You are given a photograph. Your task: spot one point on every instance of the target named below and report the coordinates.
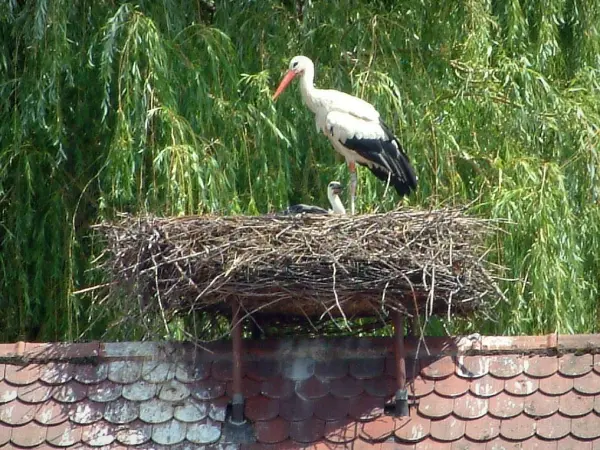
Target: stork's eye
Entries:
(294, 64)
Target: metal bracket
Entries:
(400, 404)
(237, 404)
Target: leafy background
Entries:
(164, 107)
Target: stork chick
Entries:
(333, 194)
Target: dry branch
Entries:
(315, 266)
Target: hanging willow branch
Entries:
(314, 266)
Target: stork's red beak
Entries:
(287, 79)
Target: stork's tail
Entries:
(406, 179)
(402, 175)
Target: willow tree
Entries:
(164, 107)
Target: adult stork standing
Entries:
(333, 195)
(355, 129)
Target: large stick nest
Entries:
(313, 266)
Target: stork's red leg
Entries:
(353, 183)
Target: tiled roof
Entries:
(492, 393)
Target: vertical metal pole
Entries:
(415, 325)
(237, 403)
(401, 408)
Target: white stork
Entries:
(333, 194)
(355, 129)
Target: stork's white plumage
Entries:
(333, 195)
(355, 130)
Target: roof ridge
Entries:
(317, 348)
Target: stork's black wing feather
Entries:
(304, 209)
(389, 160)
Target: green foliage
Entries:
(158, 107)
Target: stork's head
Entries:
(299, 65)
(334, 188)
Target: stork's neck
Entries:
(336, 203)
(308, 90)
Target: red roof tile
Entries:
(421, 386)
(518, 429)
(263, 370)
(346, 387)
(553, 427)
(91, 373)
(87, 412)
(22, 374)
(572, 443)
(272, 431)
(382, 386)
(453, 386)
(8, 392)
(222, 370)
(312, 388)
(5, 434)
(572, 365)
(472, 366)
(331, 369)
(135, 433)
(57, 373)
(439, 368)
(366, 368)
(574, 404)
(52, 413)
(29, 435)
(17, 413)
(277, 387)
(332, 408)
(204, 432)
(139, 391)
(379, 429)
(70, 392)
(483, 429)
(448, 429)
(169, 433)
(365, 407)
(586, 427)
(105, 391)
(505, 406)
(412, 429)
(556, 385)
(299, 369)
(341, 431)
(200, 370)
(296, 408)
(521, 385)
(436, 406)
(488, 386)
(36, 392)
(250, 387)
(506, 366)
(541, 405)
(207, 389)
(484, 394)
(307, 430)
(470, 406)
(65, 434)
(540, 365)
(261, 408)
(587, 384)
